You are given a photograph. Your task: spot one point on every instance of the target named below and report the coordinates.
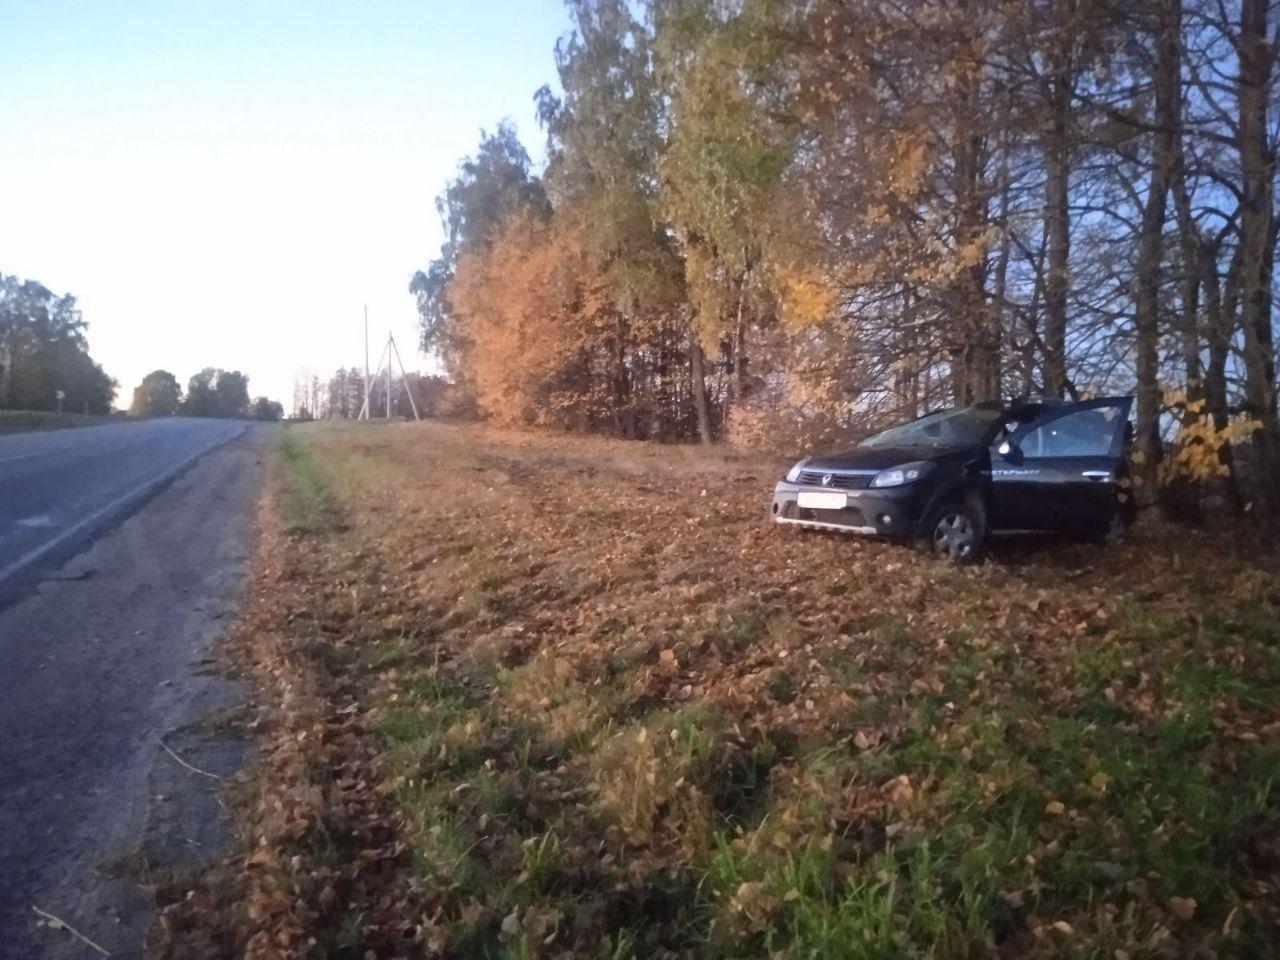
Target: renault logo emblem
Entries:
(826, 479)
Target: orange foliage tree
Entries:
(534, 313)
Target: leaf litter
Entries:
(531, 695)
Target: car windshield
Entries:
(946, 428)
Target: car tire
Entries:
(955, 530)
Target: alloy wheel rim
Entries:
(954, 536)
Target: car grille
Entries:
(848, 517)
(839, 481)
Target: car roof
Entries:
(1033, 406)
(1025, 406)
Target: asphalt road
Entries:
(59, 487)
(134, 542)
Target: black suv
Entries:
(952, 477)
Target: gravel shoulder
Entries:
(110, 675)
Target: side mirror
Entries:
(1010, 451)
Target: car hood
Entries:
(878, 458)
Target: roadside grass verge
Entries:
(604, 714)
(307, 504)
(318, 859)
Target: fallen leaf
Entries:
(510, 925)
(1184, 908)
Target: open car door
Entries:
(1061, 471)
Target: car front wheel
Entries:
(955, 530)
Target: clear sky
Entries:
(227, 182)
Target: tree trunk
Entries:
(1257, 166)
(700, 406)
(624, 414)
(1166, 81)
(1030, 314)
(1219, 317)
(975, 347)
(908, 365)
(1191, 245)
(1219, 314)
(740, 348)
(999, 292)
(1183, 500)
(1057, 165)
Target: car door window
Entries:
(1085, 433)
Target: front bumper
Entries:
(886, 512)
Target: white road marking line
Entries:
(41, 521)
(37, 453)
(139, 491)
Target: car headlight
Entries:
(897, 476)
(794, 473)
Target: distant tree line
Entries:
(341, 396)
(44, 353)
(210, 393)
(792, 222)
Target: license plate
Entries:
(822, 500)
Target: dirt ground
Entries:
(551, 696)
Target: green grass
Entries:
(310, 506)
(1148, 813)
(1143, 819)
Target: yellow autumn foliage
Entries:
(1198, 448)
(909, 167)
(807, 296)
